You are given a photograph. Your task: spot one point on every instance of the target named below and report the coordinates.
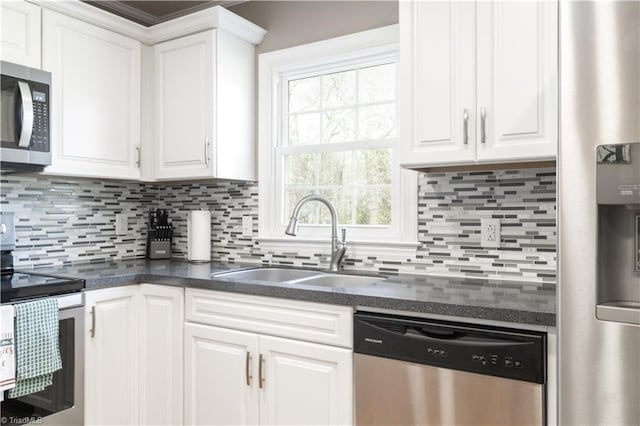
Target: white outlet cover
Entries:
(122, 224)
(247, 226)
(490, 233)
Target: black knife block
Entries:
(159, 241)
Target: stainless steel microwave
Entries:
(25, 105)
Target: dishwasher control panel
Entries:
(501, 352)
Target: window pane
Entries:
(373, 206)
(377, 122)
(339, 126)
(373, 166)
(339, 89)
(339, 108)
(301, 170)
(304, 129)
(377, 84)
(335, 168)
(304, 94)
(308, 213)
(342, 201)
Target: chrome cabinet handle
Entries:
(247, 368)
(261, 379)
(27, 115)
(93, 321)
(483, 126)
(137, 156)
(465, 127)
(206, 151)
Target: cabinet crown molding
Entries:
(216, 17)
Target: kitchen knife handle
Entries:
(247, 368)
(93, 321)
(261, 379)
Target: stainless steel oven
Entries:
(25, 105)
(62, 403)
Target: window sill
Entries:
(387, 250)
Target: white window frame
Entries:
(275, 68)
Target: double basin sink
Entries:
(299, 276)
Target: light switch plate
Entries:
(247, 226)
(490, 232)
(122, 224)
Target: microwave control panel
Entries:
(40, 135)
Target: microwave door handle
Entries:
(27, 115)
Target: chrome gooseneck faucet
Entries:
(338, 248)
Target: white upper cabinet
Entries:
(438, 53)
(204, 114)
(184, 91)
(478, 82)
(20, 36)
(95, 119)
(517, 80)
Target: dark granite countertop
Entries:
(507, 301)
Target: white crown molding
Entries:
(212, 18)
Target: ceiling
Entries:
(150, 13)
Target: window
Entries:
(329, 126)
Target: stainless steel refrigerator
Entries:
(599, 214)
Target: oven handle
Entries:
(27, 115)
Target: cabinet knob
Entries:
(206, 151)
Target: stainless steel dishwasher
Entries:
(411, 371)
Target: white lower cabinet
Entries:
(245, 377)
(133, 355)
(305, 383)
(161, 356)
(111, 357)
(220, 376)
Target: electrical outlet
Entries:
(247, 226)
(490, 232)
(122, 224)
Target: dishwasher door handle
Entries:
(458, 338)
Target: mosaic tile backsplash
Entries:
(63, 220)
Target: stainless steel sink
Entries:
(295, 277)
(338, 280)
(277, 275)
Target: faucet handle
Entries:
(344, 235)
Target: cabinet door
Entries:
(111, 357)
(184, 94)
(517, 80)
(95, 108)
(437, 83)
(220, 376)
(161, 340)
(305, 383)
(20, 42)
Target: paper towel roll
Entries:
(199, 236)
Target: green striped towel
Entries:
(37, 351)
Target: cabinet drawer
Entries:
(313, 322)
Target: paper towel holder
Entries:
(199, 226)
